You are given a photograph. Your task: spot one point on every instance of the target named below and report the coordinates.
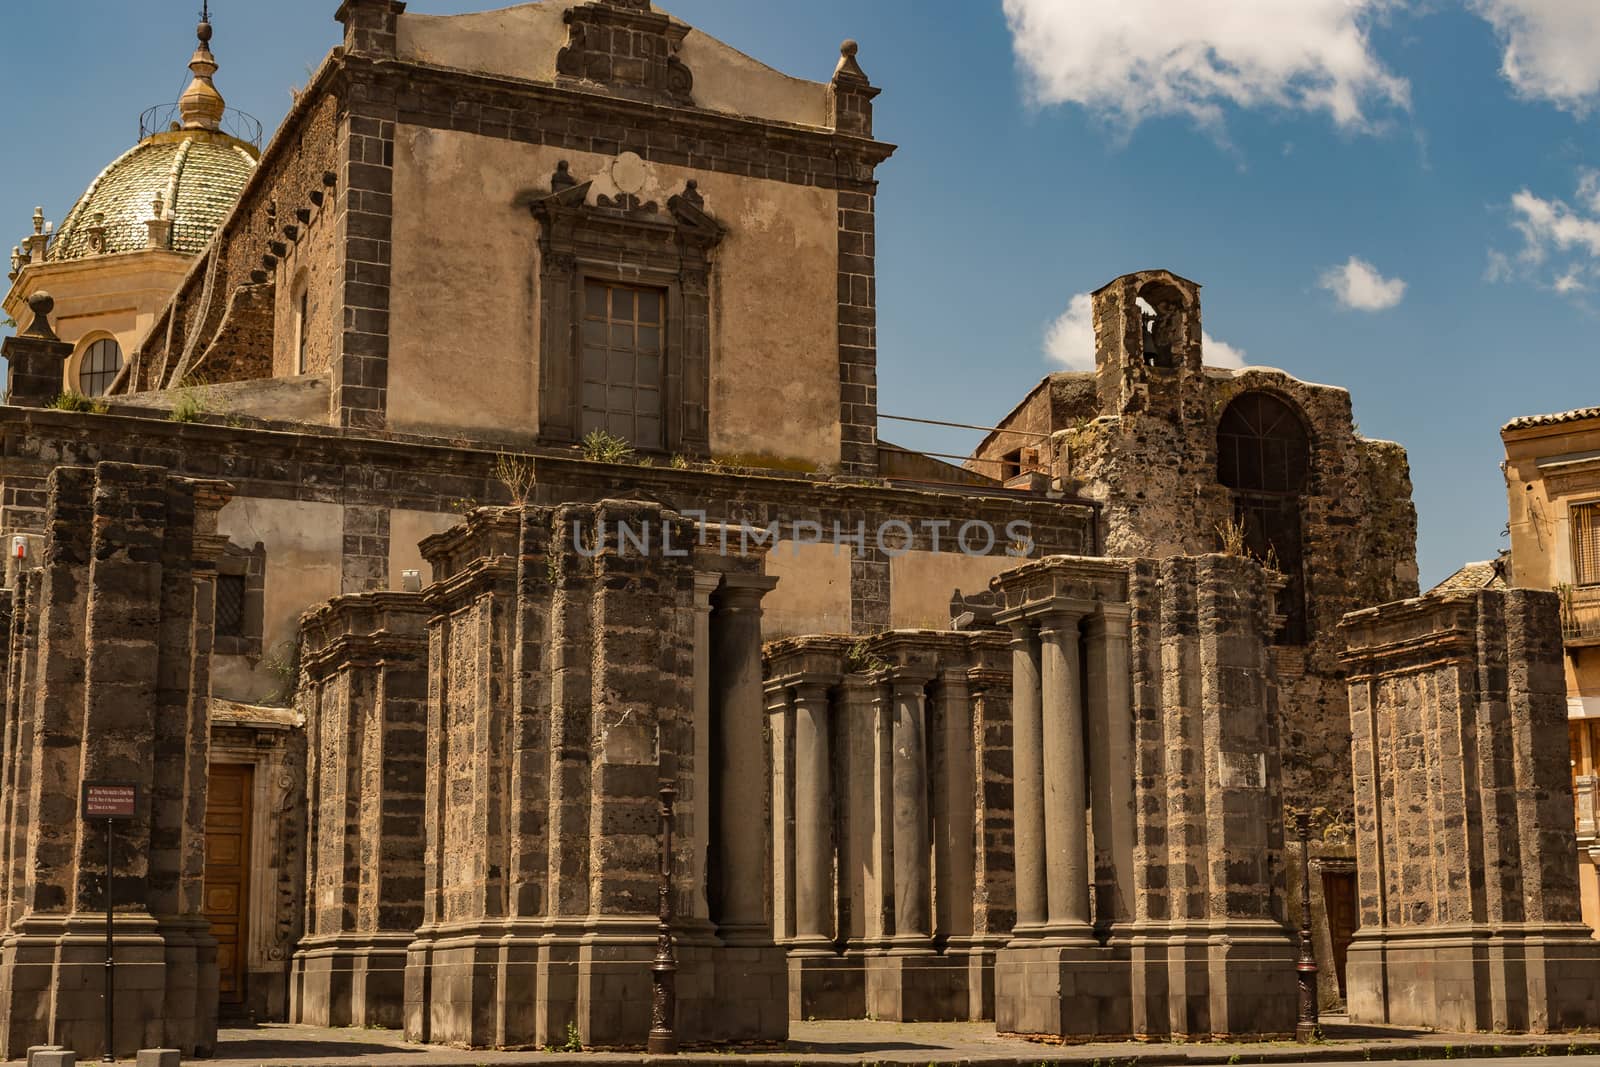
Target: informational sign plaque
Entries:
(110, 800)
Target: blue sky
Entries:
(1047, 146)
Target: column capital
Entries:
(811, 689)
(704, 585)
(902, 676)
(743, 592)
(1112, 620)
(1022, 631)
(1059, 616)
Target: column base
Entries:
(525, 985)
(1063, 991)
(350, 980)
(52, 985)
(1156, 981)
(1207, 980)
(1532, 979)
(926, 988)
(827, 987)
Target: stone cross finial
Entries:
(41, 304)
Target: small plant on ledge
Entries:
(600, 446)
(73, 401)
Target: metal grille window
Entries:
(622, 362)
(230, 605)
(1586, 543)
(101, 362)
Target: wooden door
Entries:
(1339, 893)
(227, 886)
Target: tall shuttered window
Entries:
(622, 373)
(1586, 543)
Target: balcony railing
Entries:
(1580, 611)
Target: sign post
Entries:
(111, 802)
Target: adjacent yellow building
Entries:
(1552, 471)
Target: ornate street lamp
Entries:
(1305, 1030)
(663, 972)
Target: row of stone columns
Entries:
(1073, 730)
(878, 842)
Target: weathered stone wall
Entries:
(1464, 818)
(885, 752)
(116, 647)
(285, 478)
(363, 695)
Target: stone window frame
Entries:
(251, 564)
(623, 241)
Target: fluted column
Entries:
(813, 823)
(1027, 748)
(1110, 705)
(913, 925)
(1065, 794)
(737, 707)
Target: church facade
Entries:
(507, 452)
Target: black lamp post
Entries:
(1305, 1030)
(663, 1038)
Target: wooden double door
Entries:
(227, 877)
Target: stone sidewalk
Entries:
(898, 1043)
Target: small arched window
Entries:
(1264, 456)
(302, 325)
(1262, 446)
(99, 366)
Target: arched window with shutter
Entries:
(1264, 457)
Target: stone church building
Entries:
(464, 481)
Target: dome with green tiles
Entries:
(189, 175)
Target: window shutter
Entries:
(1586, 543)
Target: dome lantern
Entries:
(201, 105)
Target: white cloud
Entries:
(1136, 59)
(1560, 241)
(1070, 340)
(1358, 285)
(1552, 48)
(1550, 225)
(1570, 282)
